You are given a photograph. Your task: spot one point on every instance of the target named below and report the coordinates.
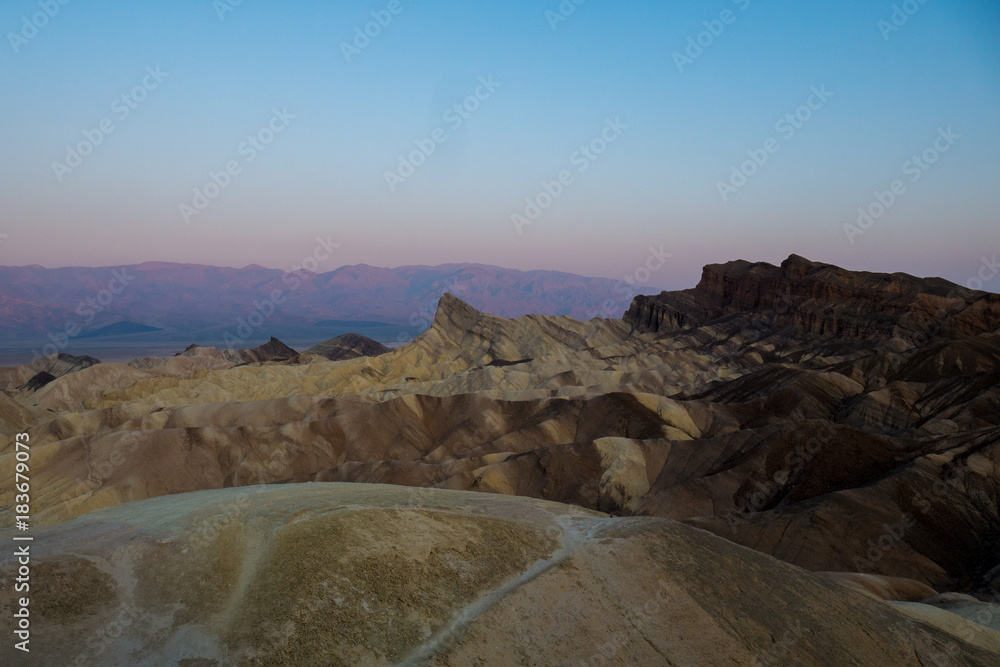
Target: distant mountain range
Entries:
(176, 301)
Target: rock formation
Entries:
(348, 346)
(54, 366)
(844, 423)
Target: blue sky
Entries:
(555, 87)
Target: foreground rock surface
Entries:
(347, 574)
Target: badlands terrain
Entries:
(790, 464)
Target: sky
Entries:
(527, 134)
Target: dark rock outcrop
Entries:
(273, 350)
(37, 381)
(348, 346)
(55, 365)
(822, 300)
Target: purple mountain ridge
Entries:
(35, 301)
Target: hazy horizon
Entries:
(651, 284)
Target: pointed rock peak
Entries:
(273, 348)
(449, 302)
(453, 313)
(348, 346)
(797, 259)
(796, 266)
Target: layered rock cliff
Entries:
(822, 300)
